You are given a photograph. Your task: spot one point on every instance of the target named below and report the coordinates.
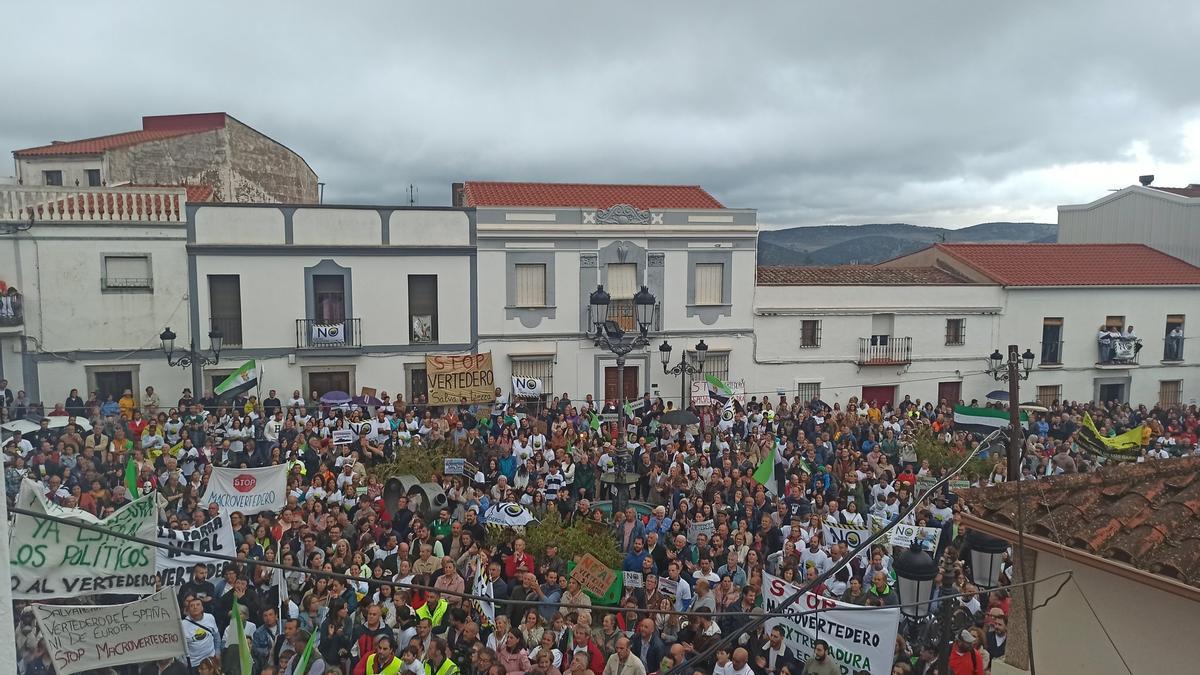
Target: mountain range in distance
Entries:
(876, 242)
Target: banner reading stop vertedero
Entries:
(248, 490)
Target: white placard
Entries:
(526, 387)
(328, 334)
(83, 637)
(55, 560)
(632, 579)
(215, 536)
(247, 490)
(344, 436)
(705, 527)
(857, 640)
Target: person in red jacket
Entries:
(965, 658)
(583, 643)
(519, 562)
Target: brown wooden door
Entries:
(950, 392)
(631, 383)
(324, 383)
(882, 396)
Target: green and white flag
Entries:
(240, 381)
(984, 420)
(765, 473)
(717, 385)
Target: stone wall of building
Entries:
(263, 170)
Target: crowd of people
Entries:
(397, 603)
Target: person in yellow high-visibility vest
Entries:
(434, 609)
(437, 659)
(384, 661)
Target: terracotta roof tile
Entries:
(1192, 190)
(1075, 264)
(866, 275)
(153, 129)
(587, 195)
(1146, 515)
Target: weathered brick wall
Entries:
(198, 159)
(241, 165)
(263, 170)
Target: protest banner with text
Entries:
(83, 637)
(215, 536)
(454, 379)
(56, 560)
(857, 640)
(247, 490)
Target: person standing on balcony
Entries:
(1104, 339)
(1175, 344)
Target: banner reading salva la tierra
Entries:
(454, 379)
(215, 536)
(56, 560)
(83, 637)
(857, 640)
(247, 490)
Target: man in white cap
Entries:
(965, 658)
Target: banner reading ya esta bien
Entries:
(454, 379)
(857, 640)
(56, 560)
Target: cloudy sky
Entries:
(937, 113)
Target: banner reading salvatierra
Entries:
(247, 490)
(215, 536)
(857, 640)
(55, 560)
(454, 379)
(82, 637)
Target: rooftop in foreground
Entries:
(587, 195)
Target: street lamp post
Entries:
(191, 357)
(608, 334)
(1016, 369)
(683, 367)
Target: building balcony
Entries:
(12, 313)
(312, 334)
(624, 312)
(884, 350)
(1118, 354)
(1173, 350)
(21, 204)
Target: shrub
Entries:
(418, 459)
(942, 455)
(572, 541)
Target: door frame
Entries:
(1126, 382)
(606, 359)
(132, 368)
(305, 371)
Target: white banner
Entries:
(53, 560)
(247, 490)
(215, 536)
(527, 387)
(851, 535)
(328, 334)
(903, 534)
(632, 579)
(700, 395)
(344, 436)
(83, 637)
(695, 529)
(857, 640)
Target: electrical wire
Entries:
(1096, 616)
(833, 569)
(463, 595)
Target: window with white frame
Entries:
(126, 272)
(810, 333)
(710, 283)
(541, 368)
(531, 285)
(806, 391)
(1048, 394)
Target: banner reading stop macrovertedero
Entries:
(83, 637)
(248, 490)
(50, 559)
(858, 640)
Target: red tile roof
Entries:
(1145, 515)
(587, 195)
(153, 128)
(1074, 264)
(1192, 190)
(865, 275)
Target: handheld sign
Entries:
(593, 575)
(453, 466)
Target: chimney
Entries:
(1146, 180)
(457, 198)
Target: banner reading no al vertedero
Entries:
(857, 640)
(83, 637)
(247, 490)
(57, 560)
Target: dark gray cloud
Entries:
(813, 112)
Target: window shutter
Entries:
(531, 285)
(542, 369)
(622, 280)
(710, 281)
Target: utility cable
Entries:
(757, 623)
